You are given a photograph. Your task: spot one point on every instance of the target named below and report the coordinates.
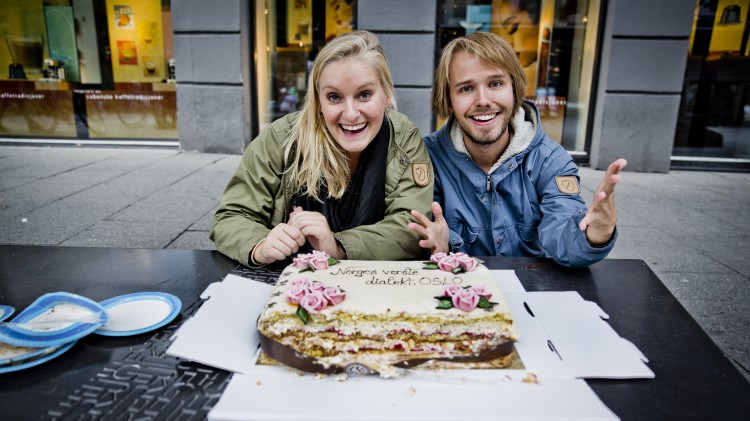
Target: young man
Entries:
(502, 186)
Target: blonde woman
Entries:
(339, 176)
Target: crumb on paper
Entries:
(531, 377)
(295, 371)
(319, 376)
(507, 378)
(341, 377)
(258, 382)
(411, 391)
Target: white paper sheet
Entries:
(507, 280)
(274, 393)
(222, 333)
(568, 337)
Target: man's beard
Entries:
(484, 139)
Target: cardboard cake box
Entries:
(563, 339)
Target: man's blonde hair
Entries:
(317, 160)
(491, 50)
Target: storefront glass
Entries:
(714, 117)
(288, 36)
(555, 40)
(87, 69)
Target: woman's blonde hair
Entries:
(317, 160)
(491, 50)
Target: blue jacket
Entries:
(518, 209)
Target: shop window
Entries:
(714, 115)
(555, 41)
(88, 69)
(289, 34)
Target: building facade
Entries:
(663, 84)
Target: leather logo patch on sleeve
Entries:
(567, 184)
(421, 173)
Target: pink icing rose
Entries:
(317, 259)
(317, 286)
(451, 290)
(467, 262)
(296, 293)
(319, 262)
(301, 260)
(466, 300)
(481, 291)
(448, 263)
(299, 281)
(437, 257)
(313, 301)
(334, 295)
(319, 254)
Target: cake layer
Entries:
(350, 324)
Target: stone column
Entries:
(642, 65)
(212, 72)
(407, 31)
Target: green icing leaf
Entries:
(458, 270)
(486, 304)
(332, 261)
(444, 303)
(430, 265)
(303, 314)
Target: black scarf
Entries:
(363, 202)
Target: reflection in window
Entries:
(731, 15)
(552, 43)
(714, 113)
(87, 69)
(289, 34)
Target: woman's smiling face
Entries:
(353, 104)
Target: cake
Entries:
(358, 317)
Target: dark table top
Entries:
(132, 378)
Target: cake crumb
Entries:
(319, 376)
(531, 377)
(258, 382)
(342, 377)
(411, 391)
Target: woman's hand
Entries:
(315, 229)
(435, 235)
(283, 241)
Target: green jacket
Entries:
(259, 196)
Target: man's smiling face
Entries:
(481, 99)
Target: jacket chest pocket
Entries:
(468, 233)
(527, 232)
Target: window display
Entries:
(289, 34)
(714, 116)
(87, 69)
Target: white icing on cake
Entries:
(377, 287)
